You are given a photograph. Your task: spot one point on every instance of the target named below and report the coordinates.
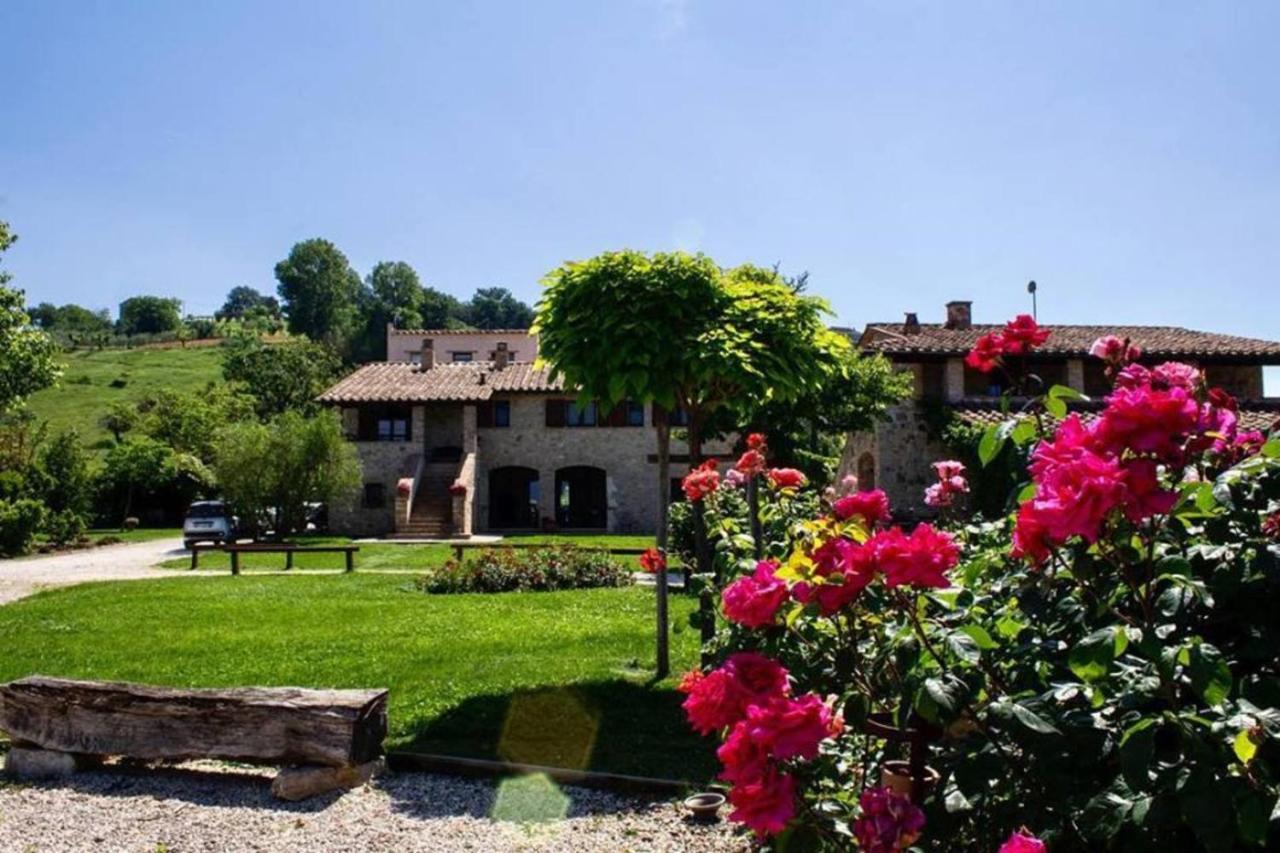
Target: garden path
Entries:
(29, 575)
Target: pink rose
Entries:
(753, 601)
(1023, 842)
(787, 478)
(873, 506)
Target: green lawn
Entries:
(557, 678)
(84, 392)
(141, 534)
(391, 555)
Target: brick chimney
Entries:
(959, 314)
(501, 356)
(428, 354)
(911, 326)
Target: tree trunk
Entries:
(702, 547)
(128, 502)
(664, 501)
(753, 507)
(286, 725)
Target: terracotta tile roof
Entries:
(400, 382)
(434, 332)
(1156, 341)
(1259, 415)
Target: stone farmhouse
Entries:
(460, 433)
(896, 456)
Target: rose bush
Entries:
(1097, 671)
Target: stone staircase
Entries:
(432, 513)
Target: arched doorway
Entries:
(866, 472)
(513, 497)
(582, 497)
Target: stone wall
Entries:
(903, 455)
(522, 345)
(622, 452)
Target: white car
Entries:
(208, 521)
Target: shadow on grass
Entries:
(616, 726)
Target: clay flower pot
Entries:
(896, 776)
(705, 806)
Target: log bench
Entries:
(324, 739)
(349, 551)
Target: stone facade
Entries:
(626, 455)
(406, 344)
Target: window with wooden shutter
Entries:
(555, 412)
(484, 414)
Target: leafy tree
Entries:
(440, 310)
(70, 318)
(68, 482)
(318, 289)
(243, 302)
(119, 418)
(138, 465)
(496, 308)
(273, 470)
(675, 329)
(149, 315)
(809, 432)
(282, 377)
(26, 354)
(190, 422)
(392, 294)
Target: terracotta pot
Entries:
(705, 806)
(896, 776)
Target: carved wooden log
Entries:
(275, 725)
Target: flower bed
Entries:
(1097, 671)
(522, 570)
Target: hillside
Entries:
(86, 388)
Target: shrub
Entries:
(20, 520)
(63, 528)
(1100, 667)
(536, 569)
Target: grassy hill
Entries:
(93, 380)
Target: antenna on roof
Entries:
(1031, 288)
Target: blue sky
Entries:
(1126, 156)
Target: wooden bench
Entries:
(282, 548)
(326, 739)
(460, 547)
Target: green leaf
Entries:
(1210, 675)
(991, 444)
(1253, 813)
(1136, 750)
(1271, 449)
(1090, 659)
(1032, 720)
(1024, 432)
(964, 647)
(940, 698)
(1055, 406)
(979, 636)
(1066, 392)
(1244, 747)
(1026, 493)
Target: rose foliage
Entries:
(1098, 671)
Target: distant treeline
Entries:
(319, 295)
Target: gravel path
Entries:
(194, 809)
(20, 578)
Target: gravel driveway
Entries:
(20, 578)
(192, 809)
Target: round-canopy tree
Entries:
(677, 330)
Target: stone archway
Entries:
(866, 471)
